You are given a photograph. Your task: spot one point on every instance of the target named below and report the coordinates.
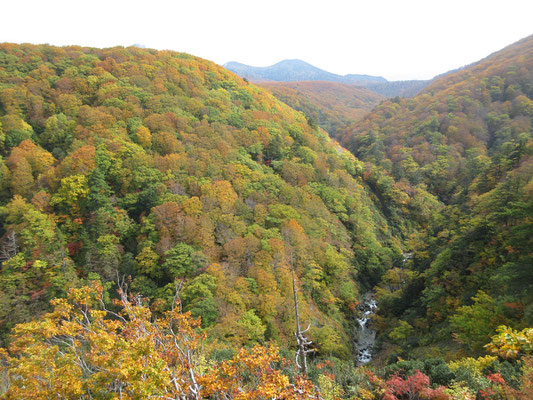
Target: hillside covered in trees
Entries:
(332, 106)
(162, 166)
(160, 216)
(467, 139)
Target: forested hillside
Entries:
(161, 166)
(467, 139)
(330, 105)
(163, 222)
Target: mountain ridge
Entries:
(292, 70)
(295, 70)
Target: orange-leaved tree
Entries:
(251, 375)
(84, 349)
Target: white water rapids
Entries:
(365, 335)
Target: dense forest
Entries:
(467, 139)
(162, 166)
(332, 106)
(167, 227)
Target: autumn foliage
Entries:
(82, 349)
(160, 166)
(416, 386)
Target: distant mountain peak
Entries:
(295, 70)
(290, 62)
(294, 61)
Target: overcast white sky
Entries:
(398, 39)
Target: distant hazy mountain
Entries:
(298, 70)
(398, 88)
(357, 79)
(294, 71)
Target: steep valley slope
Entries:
(331, 105)
(167, 169)
(467, 140)
(162, 167)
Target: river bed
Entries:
(365, 335)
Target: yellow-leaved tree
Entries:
(85, 350)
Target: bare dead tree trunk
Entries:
(8, 246)
(187, 353)
(166, 336)
(301, 341)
